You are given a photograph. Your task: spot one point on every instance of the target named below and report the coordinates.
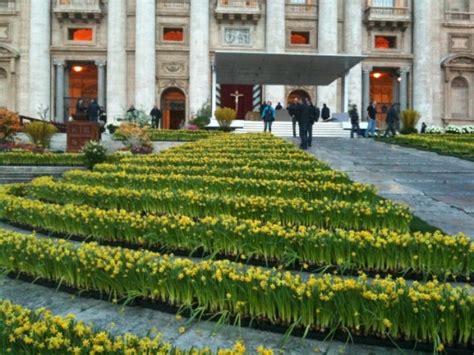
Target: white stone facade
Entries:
(142, 49)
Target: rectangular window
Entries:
(80, 34)
(299, 37)
(173, 34)
(385, 42)
(382, 3)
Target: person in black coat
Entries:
(392, 117)
(354, 115)
(294, 111)
(155, 114)
(325, 113)
(93, 111)
(313, 117)
(303, 123)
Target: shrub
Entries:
(136, 139)
(225, 116)
(94, 153)
(409, 120)
(139, 118)
(9, 125)
(203, 116)
(40, 133)
(112, 128)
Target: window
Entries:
(458, 5)
(4, 89)
(385, 42)
(383, 3)
(299, 37)
(173, 34)
(80, 34)
(298, 2)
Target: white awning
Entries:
(281, 69)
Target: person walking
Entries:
(155, 114)
(268, 116)
(392, 116)
(294, 111)
(93, 111)
(371, 119)
(354, 115)
(278, 107)
(313, 117)
(303, 123)
(325, 113)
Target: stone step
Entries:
(12, 174)
(285, 129)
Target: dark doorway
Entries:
(82, 79)
(173, 107)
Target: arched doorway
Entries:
(173, 107)
(301, 94)
(3, 88)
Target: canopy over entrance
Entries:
(282, 69)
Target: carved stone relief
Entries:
(460, 42)
(237, 37)
(165, 84)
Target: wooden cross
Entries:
(237, 95)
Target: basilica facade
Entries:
(417, 53)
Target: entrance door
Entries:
(297, 94)
(82, 84)
(382, 90)
(173, 107)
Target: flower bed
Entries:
(38, 331)
(382, 251)
(52, 159)
(325, 212)
(175, 135)
(431, 311)
(461, 146)
(226, 185)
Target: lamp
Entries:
(377, 75)
(77, 68)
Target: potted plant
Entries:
(225, 116)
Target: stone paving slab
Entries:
(438, 189)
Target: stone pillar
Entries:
(275, 43)
(353, 45)
(422, 60)
(39, 67)
(145, 54)
(327, 44)
(116, 60)
(404, 88)
(100, 82)
(199, 62)
(365, 89)
(59, 109)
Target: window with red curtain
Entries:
(299, 37)
(173, 34)
(80, 34)
(385, 42)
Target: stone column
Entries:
(404, 88)
(327, 44)
(275, 43)
(59, 109)
(116, 60)
(353, 45)
(39, 62)
(365, 89)
(100, 82)
(145, 54)
(422, 60)
(199, 62)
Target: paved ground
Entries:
(439, 189)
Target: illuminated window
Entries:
(298, 37)
(385, 42)
(80, 34)
(173, 34)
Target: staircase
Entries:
(285, 128)
(13, 174)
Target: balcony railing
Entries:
(78, 9)
(173, 6)
(382, 16)
(459, 16)
(243, 10)
(307, 10)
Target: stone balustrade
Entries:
(78, 9)
(309, 10)
(243, 10)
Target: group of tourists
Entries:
(392, 120)
(303, 112)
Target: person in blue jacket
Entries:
(268, 116)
